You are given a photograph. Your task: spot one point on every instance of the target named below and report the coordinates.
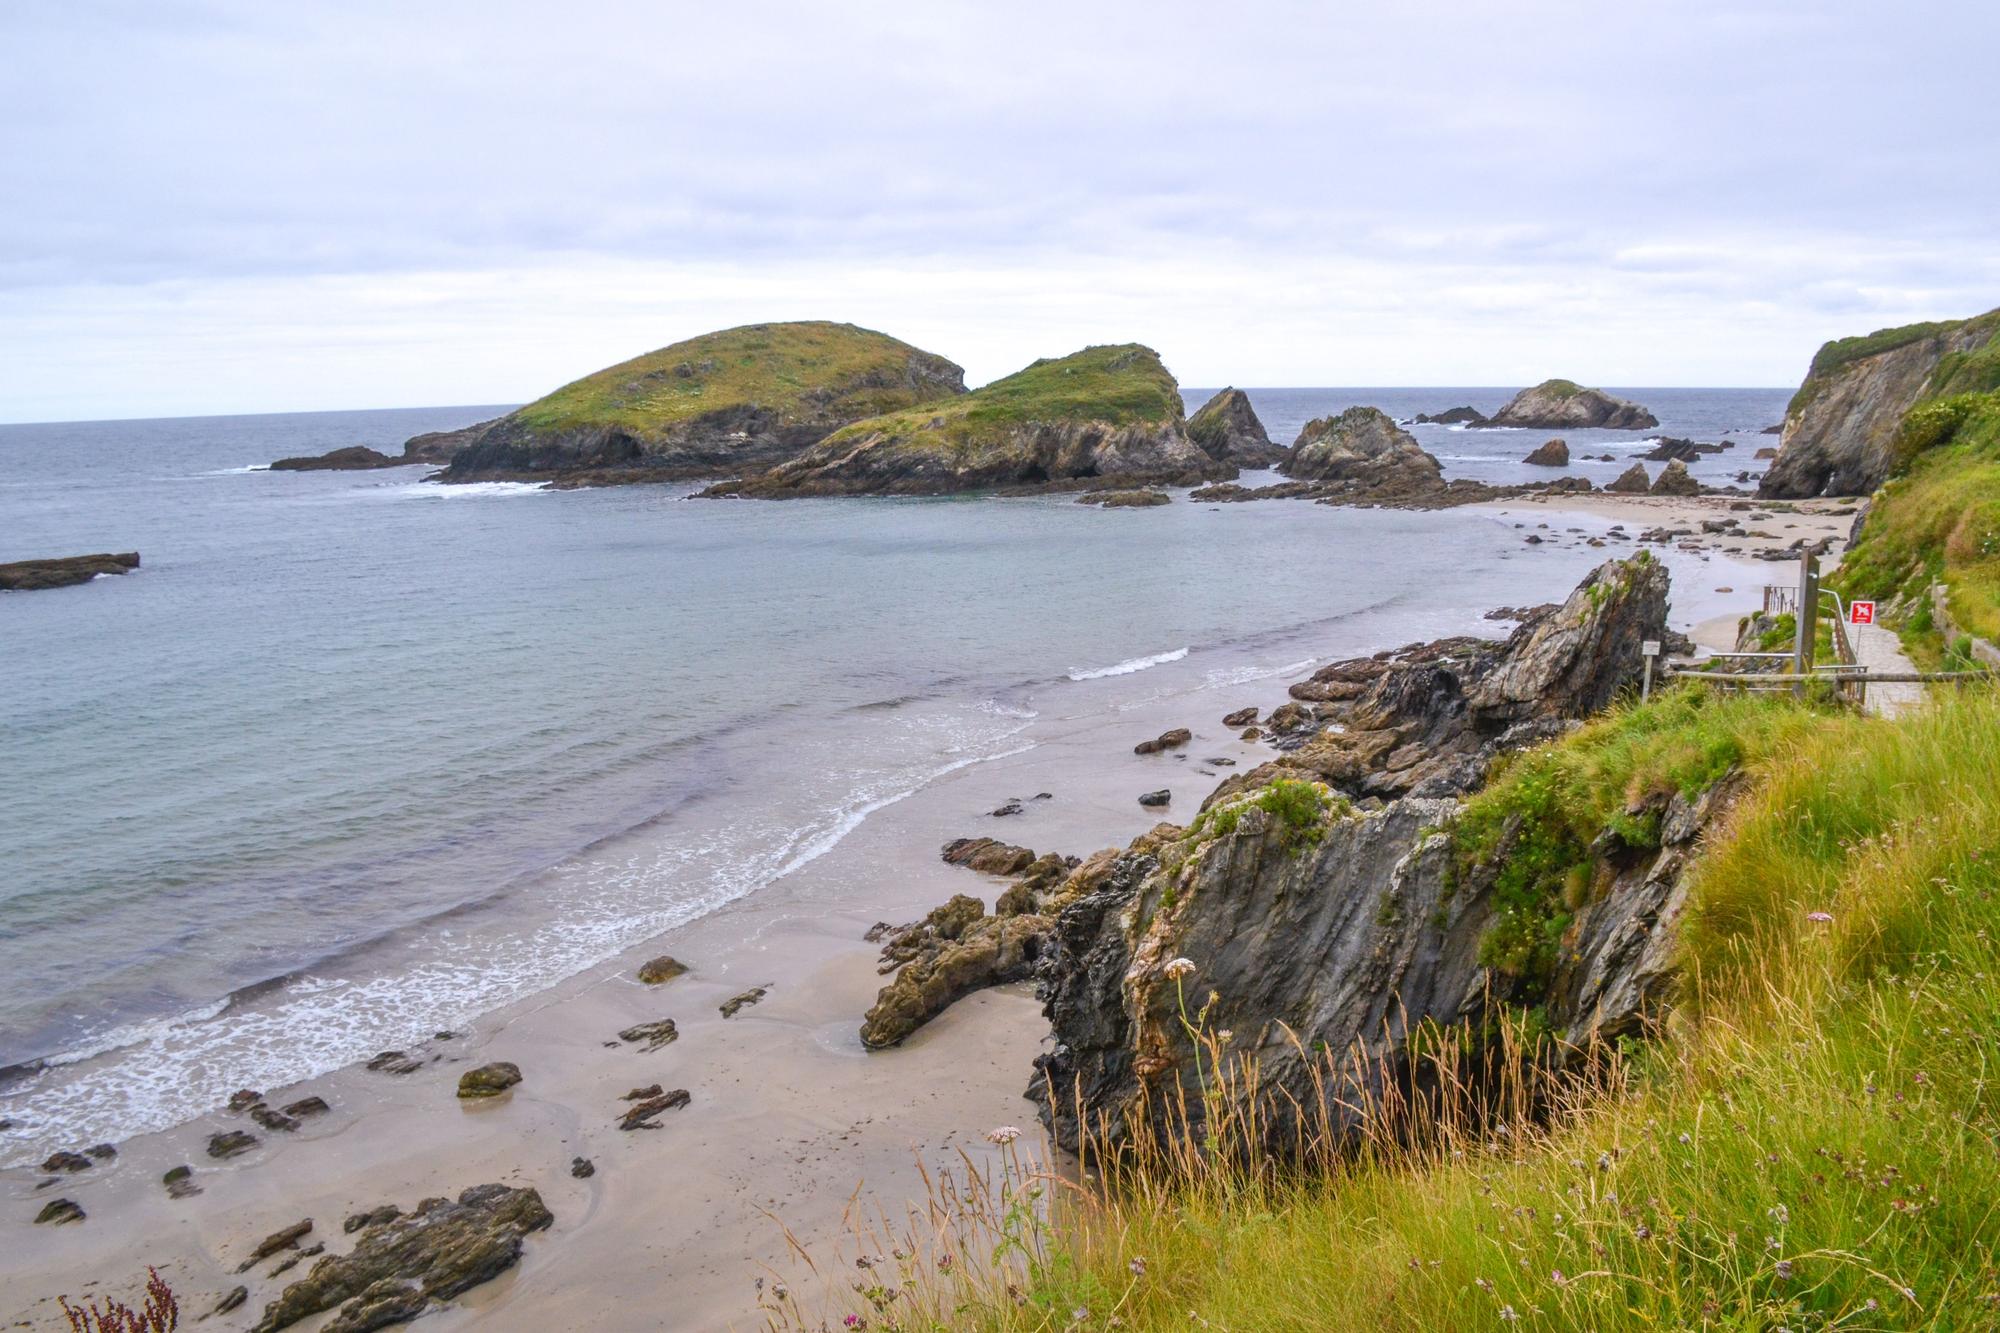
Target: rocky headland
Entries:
(1566, 405)
(1227, 429)
(725, 403)
(1103, 418)
(1841, 428)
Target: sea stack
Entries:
(1364, 450)
(1228, 431)
(1555, 453)
(723, 404)
(1566, 405)
(1103, 418)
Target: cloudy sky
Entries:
(237, 207)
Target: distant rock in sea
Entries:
(1554, 453)
(1566, 405)
(1453, 416)
(354, 458)
(1363, 450)
(1228, 431)
(63, 571)
(723, 404)
(1101, 418)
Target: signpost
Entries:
(1648, 649)
(1808, 616)
(1861, 613)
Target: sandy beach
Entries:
(790, 1119)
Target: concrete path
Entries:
(1878, 649)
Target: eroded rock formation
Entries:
(1566, 405)
(1227, 429)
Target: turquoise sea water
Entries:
(354, 757)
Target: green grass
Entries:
(1957, 373)
(791, 369)
(1560, 389)
(1300, 808)
(1118, 385)
(1938, 520)
(1811, 1145)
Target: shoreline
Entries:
(789, 1118)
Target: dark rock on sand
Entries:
(395, 1062)
(489, 1080)
(1674, 479)
(275, 1121)
(179, 1181)
(1156, 798)
(1565, 405)
(400, 1267)
(1227, 429)
(1125, 499)
(58, 1211)
(292, 1260)
(1632, 481)
(1006, 808)
(582, 1168)
(306, 1106)
(662, 969)
(987, 856)
(1242, 717)
(245, 1098)
(737, 1003)
(654, 1035)
(1553, 453)
(641, 1094)
(67, 1161)
(354, 458)
(235, 1298)
(286, 1238)
(230, 1142)
(63, 571)
(387, 1212)
(1166, 740)
(642, 1115)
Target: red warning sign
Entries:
(1861, 613)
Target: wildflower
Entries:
(1079, 1314)
(1178, 968)
(1003, 1133)
(1784, 1270)
(854, 1321)
(1781, 1215)
(1556, 1276)
(1686, 1137)
(1138, 1266)
(1507, 1315)
(1821, 917)
(1483, 1283)
(1643, 1232)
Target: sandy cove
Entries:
(789, 1117)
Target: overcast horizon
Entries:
(227, 208)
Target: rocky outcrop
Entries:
(1453, 416)
(1227, 429)
(1099, 419)
(404, 1265)
(1565, 405)
(354, 458)
(989, 856)
(63, 571)
(1125, 499)
(987, 951)
(1687, 451)
(1429, 719)
(1554, 453)
(1316, 939)
(1362, 452)
(723, 404)
(1840, 429)
(438, 446)
(1675, 479)
(1632, 481)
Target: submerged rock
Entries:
(489, 1080)
(67, 1161)
(1166, 740)
(395, 1062)
(63, 571)
(1125, 499)
(230, 1142)
(179, 1181)
(1227, 429)
(401, 1266)
(1566, 405)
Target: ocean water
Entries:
(354, 757)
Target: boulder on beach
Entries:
(1166, 740)
(653, 1035)
(665, 968)
(642, 1113)
(1242, 717)
(1553, 453)
(736, 1004)
(1156, 798)
(1675, 479)
(1566, 405)
(1364, 451)
(401, 1267)
(1632, 481)
(1227, 429)
(489, 1080)
(64, 571)
(723, 404)
(989, 856)
(58, 1211)
(230, 1142)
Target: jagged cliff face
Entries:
(1564, 405)
(1104, 416)
(1325, 944)
(1227, 429)
(724, 403)
(1365, 450)
(1841, 426)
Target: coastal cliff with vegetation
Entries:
(1101, 417)
(1843, 428)
(738, 400)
